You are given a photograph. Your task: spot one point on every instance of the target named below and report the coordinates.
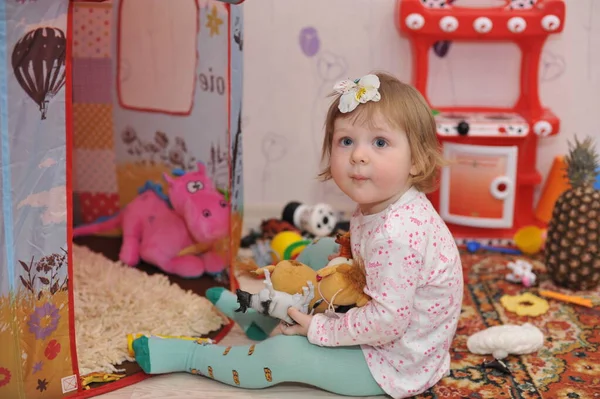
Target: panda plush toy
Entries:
(318, 220)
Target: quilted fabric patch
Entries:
(91, 30)
(95, 171)
(93, 126)
(92, 80)
(94, 205)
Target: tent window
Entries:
(157, 55)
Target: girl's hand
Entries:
(301, 328)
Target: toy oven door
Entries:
(478, 186)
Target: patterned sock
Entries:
(256, 326)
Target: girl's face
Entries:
(371, 165)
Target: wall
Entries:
(297, 50)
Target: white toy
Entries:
(508, 339)
(274, 303)
(521, 273)
(318, 220)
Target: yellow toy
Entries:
(335, 285)
(288, 244)
(88, 379)
(530, 239)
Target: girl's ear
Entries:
(413, 170)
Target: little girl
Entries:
(381, 150)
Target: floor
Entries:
(183, 385)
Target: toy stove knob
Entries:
(462, 128)
(415, 21)
(483, 25)
(550, 23)
(542, 128)
(516, 24)
(448, 23)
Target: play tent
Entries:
(96, 99)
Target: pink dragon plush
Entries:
(156, 229)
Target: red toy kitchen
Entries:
(487, 190)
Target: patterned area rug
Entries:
(568, 366)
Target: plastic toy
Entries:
(156, 228)
(99, 377)
(288, 244)
(487, 190)
(567, 298)
(271, 302)
(522, 272)
(318, 220)
(530, 239)
(556, 183)
(474, 246)
(526, 304)
(507, 339)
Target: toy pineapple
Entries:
(573, 239)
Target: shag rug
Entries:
(113, 300)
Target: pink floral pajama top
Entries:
(414, 277)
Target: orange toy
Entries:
(556, 184)
(487, 190)
(345, 248)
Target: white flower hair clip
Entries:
(357, 91)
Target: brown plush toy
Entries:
(338, 285)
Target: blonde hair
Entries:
(406, 109)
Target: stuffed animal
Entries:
(156, 228)
(319, 253)
(318, 220)
(336, 285)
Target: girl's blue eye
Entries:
(346, 141)
(380, 143)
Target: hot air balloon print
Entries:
(38, 61)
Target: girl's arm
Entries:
(393, 271)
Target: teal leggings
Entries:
(341, 370)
